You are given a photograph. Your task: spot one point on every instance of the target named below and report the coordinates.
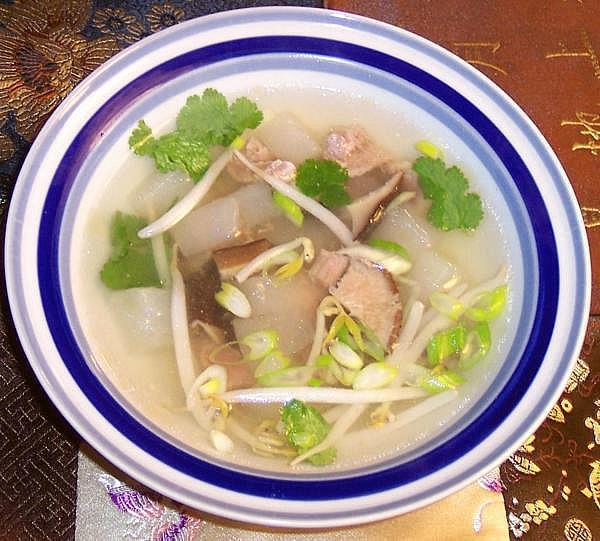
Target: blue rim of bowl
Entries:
(468, 438)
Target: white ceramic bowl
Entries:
(67, 168)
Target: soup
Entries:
(294, 291)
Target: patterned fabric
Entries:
(112, 506)
(553, 480)
(551, 485)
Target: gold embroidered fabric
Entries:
(545, 54)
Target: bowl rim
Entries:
(224, 18)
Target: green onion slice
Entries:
(323, 361)
(232, 299)
(447, 304)
(261, 343)
(443, 381)
(273, 362)
(429, 149)
(374, 376)
(443, 344)
(477, 345)
(290, 269)
(390, 246)
(345, 355)
(488, 305)
(294, 376)
(291, 209)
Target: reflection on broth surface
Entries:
(296, 280)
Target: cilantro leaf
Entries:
(324, 180)
(171, 151)
(141, 140)
(203, 122)
(451, 208)
(305, 427)
(131, 263)
(211, 120)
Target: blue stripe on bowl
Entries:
(49, 268)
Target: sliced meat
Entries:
(352, 148)
(283, 170)
(328, 268)
(257, 153)
(370, 294)
(232, 259)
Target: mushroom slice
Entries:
(201, 285)
(367, 209)
(232, 259)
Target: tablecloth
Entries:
(546, 56)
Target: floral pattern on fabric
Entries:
(149, 518)
(553, 479)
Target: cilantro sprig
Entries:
(131, 263)
(452, 207)
(305, 427)
(324, 180)
(203, 122)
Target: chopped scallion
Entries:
(390, 246)
(291, 209)
(477, 345)
(447, 304)
(290, 269)
(443, 344)
(294, 376)
(345, 355)
(323, 361)
(271, 363)
(438, 382)
(429, 149)
(488, 305)
(232, 299)
(374, 376)
(261, 343)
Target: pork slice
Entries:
(281, 169)
(257, 153)
(328, 268)
(370, 294)
(352, 148)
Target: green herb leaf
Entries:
(203, 122)
(452, 208)
(171, 151)
(131, 263)
(211, 120)
(305, 427)
(324, 180)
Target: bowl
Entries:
(80, 146)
